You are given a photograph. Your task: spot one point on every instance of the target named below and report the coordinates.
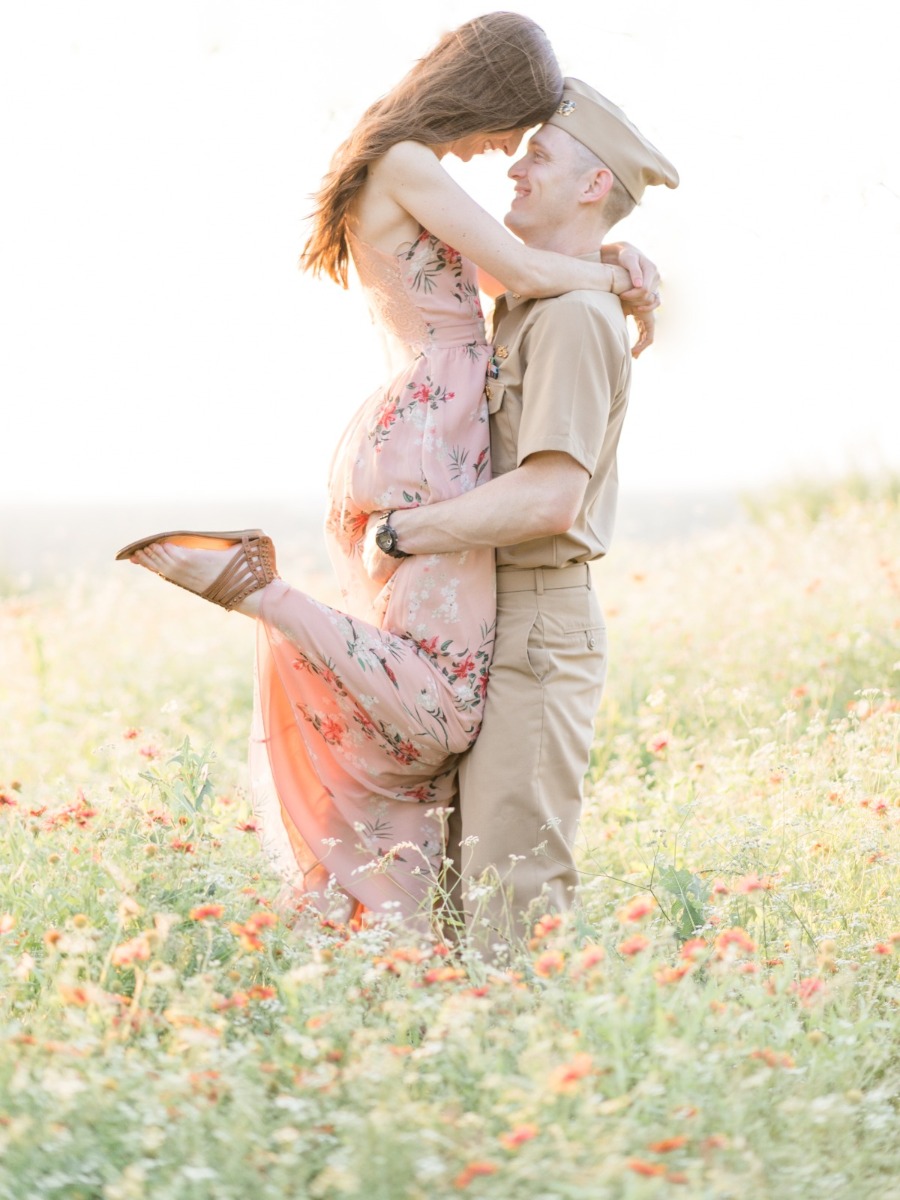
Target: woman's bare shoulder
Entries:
(406, 157)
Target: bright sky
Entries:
(157, 339)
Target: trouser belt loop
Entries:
(539, 580)
(590, 578)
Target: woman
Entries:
(360, 714)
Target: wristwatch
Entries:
(386, 538)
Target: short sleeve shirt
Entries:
(559, 380)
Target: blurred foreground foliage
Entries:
(717, 1019)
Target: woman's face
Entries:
(466, 148)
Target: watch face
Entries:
(384, 539)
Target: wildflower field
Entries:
(719, 1019)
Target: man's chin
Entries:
(514, 223)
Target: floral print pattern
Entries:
(361, 713)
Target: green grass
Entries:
(733, 1034)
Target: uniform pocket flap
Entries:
(494, 393)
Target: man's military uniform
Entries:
(562, 370)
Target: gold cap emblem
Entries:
(566, 108)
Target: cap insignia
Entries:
(566, 108)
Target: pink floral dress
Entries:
(360, 714)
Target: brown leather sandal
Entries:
(251, 567)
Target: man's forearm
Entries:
(538, 499)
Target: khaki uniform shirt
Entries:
(562, 370)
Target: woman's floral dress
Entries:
(360, 714)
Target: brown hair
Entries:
(495, 73)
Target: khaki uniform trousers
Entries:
(521, 783)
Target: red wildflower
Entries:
(247, 826)
(753, 883)
(551, 962)
(636, 909)
(261, 991)
(204, 911)
(640, 1166)
(668, 1144)
(130, 734)
(808, 989)
(517, 1136)
(136, 949)
(472, 1171)
(735, 937)
(773, 1058)
(692, 947)
(658, 744)
(443, 975)
(672, 974)
(566, 1077)
(633, 945)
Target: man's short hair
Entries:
(617, 203)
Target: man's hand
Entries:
(379, 566)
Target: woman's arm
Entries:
(413, 177)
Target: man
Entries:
(557, 398)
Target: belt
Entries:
(540, 579)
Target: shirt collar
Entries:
(512, 300)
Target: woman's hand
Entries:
(641, 298)
(642, 271)
(379, 566)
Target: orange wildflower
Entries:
(719, 887)
(773, 1058)
(472, 1171)
(566, 1078)
(590, 956)
(633, 945)
(668, 1144)
(7, 922)
(735, 937)
(260, 992)
(671, 974)
(753, 883)
(544, 925)
(883, 948)
(73, 995)
(640, 1166)
(443, 974)
(261, 920)
(249, 938)
(808, 989)
(204, 911)
(551, 962)
(636, 909)
(136, 949)
(517, 1136)
(691, 948)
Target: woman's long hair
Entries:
(490, 75)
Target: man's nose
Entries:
(517, 169)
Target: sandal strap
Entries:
(251, 567)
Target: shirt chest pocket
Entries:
(504, 430)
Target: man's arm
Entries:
(540, 498)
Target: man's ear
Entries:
(597, 185)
